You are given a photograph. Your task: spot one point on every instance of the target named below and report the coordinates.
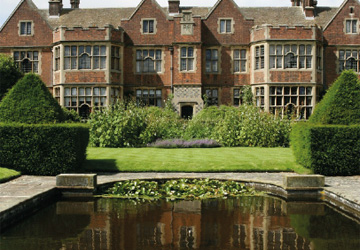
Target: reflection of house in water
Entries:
(246, 223)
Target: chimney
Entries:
(174, 6)
(75, 4)
(309, 8)
(296, 2)
(55, 7)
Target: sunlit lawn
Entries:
(191, 160)
(6, 174)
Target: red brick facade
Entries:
(150, 52)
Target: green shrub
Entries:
(248, 126)
(29, 101)
(203, 124)
(43, 149)
(341, 104)
(71, 115)
(9, 74)
(119, 125)
(328, 150)
(161, 124)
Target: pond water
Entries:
(241, 223)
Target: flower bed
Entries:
(179, 143)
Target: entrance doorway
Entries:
(84, 111)
(187, 112)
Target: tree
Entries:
(9, 74)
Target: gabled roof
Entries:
(154, 2)
(337, 13)
(216, 5)
(31, 4)
(12, 13)
(88, 17)
(290, 16)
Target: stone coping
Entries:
(26, 194)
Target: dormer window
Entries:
(148, 26)
(26, 28)
(351, 26)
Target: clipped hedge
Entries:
(43, 149)
(29, 101)
(341, 104)
(327, 149)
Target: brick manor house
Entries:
(88, 58)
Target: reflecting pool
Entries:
(241, 223)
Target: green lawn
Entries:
(6, 174)
(191, 160)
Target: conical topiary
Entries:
(29, 101)
(341, 104)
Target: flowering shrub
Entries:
(179, 143)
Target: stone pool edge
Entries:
(39, 193)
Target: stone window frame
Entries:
(211, 60)
(187, 58)
(300, 96)
(115, 55)
(240, 59)
(73, 57)
(28, 54)
(57, 58)
(32, 30)
(350, 53)
(142, 22)
(280, 58)
(142, 94)
(161, 61)
(260, 97)
(212, 98)
(351, 28)
(93, 96)
(226, 20)
(237, 96)
(259, 55)
(319, 62)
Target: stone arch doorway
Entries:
(84, 111)
(187, 111)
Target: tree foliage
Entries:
(9, 74)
